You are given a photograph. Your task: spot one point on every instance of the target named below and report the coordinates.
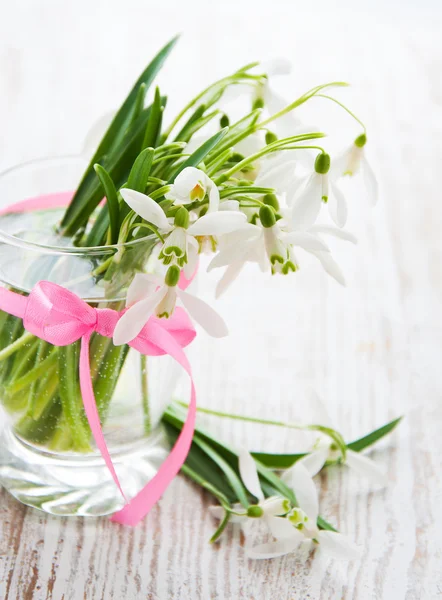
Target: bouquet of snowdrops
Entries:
(244, 190)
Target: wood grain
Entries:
(372, 350)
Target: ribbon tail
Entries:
(90, 408)
(146, 498)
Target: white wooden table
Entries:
(372, 350)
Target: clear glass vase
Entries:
(47, 455)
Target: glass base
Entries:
(76, 485)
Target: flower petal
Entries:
(192, 259)
(96, 133)
(277, 66)
(275, 506)
(218, 223)
(306, 240)
(280, 527)
(305, 491)
(275, 549)
(142, 286)
(307, 203)
(146, 208)
(135, 318)
(314, 461)
(203, 314)
(249, 474)
(229, 276)
(229, 205)
(370, 181)
(187, 180)
(337, 206)
(330, 266)
(366, 467)
(338, 545)
(335, 232)
(213, 196)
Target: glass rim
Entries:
(13, 240)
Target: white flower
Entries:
(275, 245)
(181, 239)
(300, 525)
(353, 161)
(193, 184)
(148, 295)
(266, 509)
(318, 187)
(324, 450)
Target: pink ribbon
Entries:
(60, 317)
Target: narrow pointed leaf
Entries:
(374, 436)
(112, 201)
(140, 172)
(114, 136)
(200, 154)
(153, 128)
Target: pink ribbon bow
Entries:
(60, 317)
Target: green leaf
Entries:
(233, 479)
(112, 201)
(118, 165)
(97, 234)
(200, 154)
(114, 136)
(197, 114)
(139, 102)
(374, 436)
(140, 172)
(153, 129)
(270, 482)
(277, 461)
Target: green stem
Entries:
(145, 393)
(22, 341)
(344, 107)
(70, 396)
(225, 415)
(34, 374)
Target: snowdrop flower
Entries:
(148, 295)
(265, 244)
(266, 509)
(181, 244)
(264, 94)
(353, 161)
(309, 240)
(319, 187)
(324, 450)
(275, 244)
(193, 184)
(300, 526)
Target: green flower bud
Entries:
(203, 210)
(236, 157)
(224, 121)
(271, 200)
(258, 103)
(255, 511)
(361, 140)
(322, 163)
(172, 276)
(267, 216)
(182, 218)
(165, 204)
(271, 137)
